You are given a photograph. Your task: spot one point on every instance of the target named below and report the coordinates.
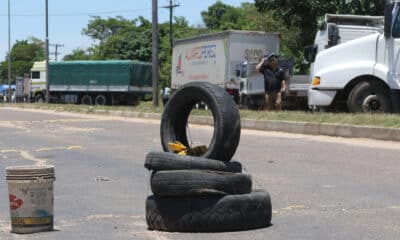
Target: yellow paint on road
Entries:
(294, 207)
(45, 149)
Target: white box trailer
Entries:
(216, 58)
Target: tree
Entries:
(78, 54)
(222, 16)
(305, 15)
(23, 54)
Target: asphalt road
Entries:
(321, 187)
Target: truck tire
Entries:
(209, 213)
(158, 161)
(198, 183)
(39, 98)
(100, 100)
(369, 97)
(225, 113)
(86, 100)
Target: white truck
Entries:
(362, 73)
(217, 58)
(336, 29)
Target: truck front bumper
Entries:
(320, 97)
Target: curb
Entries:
(333, 130)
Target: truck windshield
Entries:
(396, 27)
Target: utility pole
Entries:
(9, 52)
(47, 53)
(155, 66)
(56, 53)
(171, 7)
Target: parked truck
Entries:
(336, 29)
(92, 82)
(362, 73)
(218, 58)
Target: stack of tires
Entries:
(208, 193)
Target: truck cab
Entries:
(362, 73)
(38, 81)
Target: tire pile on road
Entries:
(202, 194)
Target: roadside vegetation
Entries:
(378, 120)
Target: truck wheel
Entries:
(158, 161)
(209, 213)
(39, 98)
(87, 100)
(226, 116)
(369, 97)
(100, 100)
(199, 183)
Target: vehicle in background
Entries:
(335, 30)
(362, 73)
(4, 92)
(218, 58)
(92, 82)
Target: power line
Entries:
(171, 7)
(75, 14)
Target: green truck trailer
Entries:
(92, 82)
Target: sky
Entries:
(68, 18)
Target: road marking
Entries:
(44, 149)
(395, 207)
(38, 161)
(26, 155)
(293, 207)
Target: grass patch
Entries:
(379, 120)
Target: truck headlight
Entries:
(316, 81)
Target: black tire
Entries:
(369, 97)
(86, 100)
(225, 112)
(100, 100)
(209, 213)
(170, 161)
(199, 183)
(39, 98)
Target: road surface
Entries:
(321, 187)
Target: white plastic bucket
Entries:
(31, 198)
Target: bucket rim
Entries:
(30, 167)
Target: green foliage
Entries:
(222, 16)
(119, 38)
(23, 54)
(78, 54)
(305, 15)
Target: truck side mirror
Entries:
(333, 35)
(388, 19)
(310, 52)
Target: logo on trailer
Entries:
(15, 202)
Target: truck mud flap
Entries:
(395, 97)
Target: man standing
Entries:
(274, 81)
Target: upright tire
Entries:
(199, 183)
(86, 100)
(157, 161)
(100, 100)
(225, 113)
(209, 213)
(369, 97)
